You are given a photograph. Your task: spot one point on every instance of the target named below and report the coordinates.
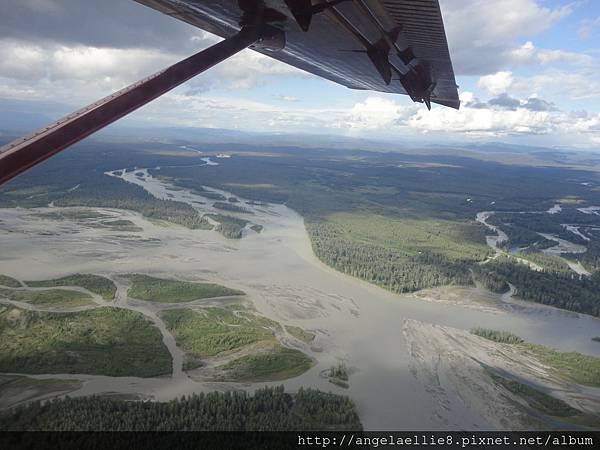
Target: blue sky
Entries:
(527, 70)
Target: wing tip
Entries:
(453, 103)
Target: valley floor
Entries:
(412, 363)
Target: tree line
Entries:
(387, 267)
(269, 409)
(566, 290)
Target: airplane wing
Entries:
(395, 46)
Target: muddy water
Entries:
(493, 241)
(563, 246)
(575, 230)
(590, 210)
(354, 321)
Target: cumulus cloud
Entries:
(552, 83)
(76, 73)
(538, 104)
(496, 83)
(481, 38)
(500, 117)
(559, 83)
(49, 47)
(487, 122)
(504, 101)
(57, 50)
(111, 25)
(509, 117)
(528, 54)
(59, 38)
(482, 34)
(375, 113)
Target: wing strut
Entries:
(26, 152)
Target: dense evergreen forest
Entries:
(565, 290)
(523, 229)
(520, 237)
(489, 279)
(269, 409)
(385, 266)
(551, 263)
(556, 284)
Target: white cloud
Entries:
(84, 72)
(486, 121)
(248, 69)
(90, 63)
(467, 98)
(482, 34)
(528, 54)
(497, 83)
(481, 121)
(381, 116)
(487, 41)
(588, 28)
(560, 56)
(375, 113)
(79, 73)
(554, 84)
(8, 91)
(561, 84)
(236, 113)
(21, 61)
